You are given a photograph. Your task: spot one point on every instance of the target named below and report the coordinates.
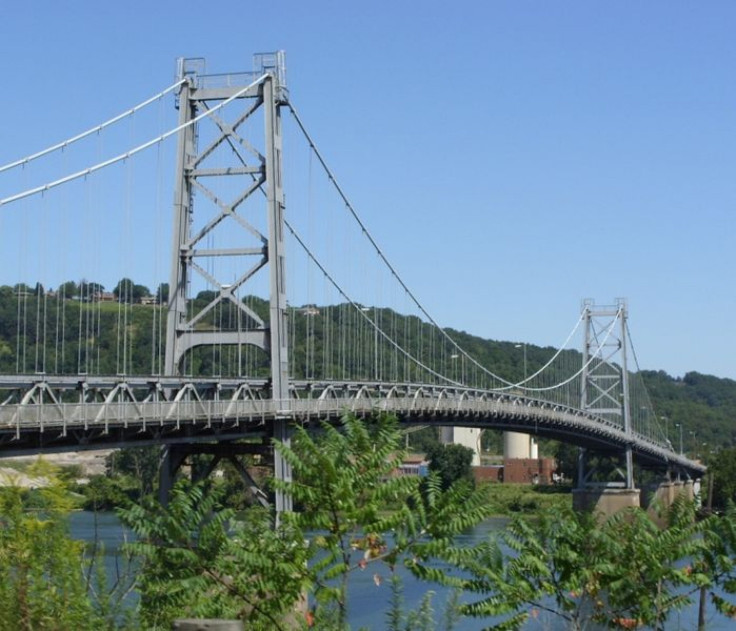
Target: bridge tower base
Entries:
(175, 456)
(605, 501)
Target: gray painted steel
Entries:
(606, 373)
(137, 412)
(194, 173)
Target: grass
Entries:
(511, 499)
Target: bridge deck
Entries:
(137, 411)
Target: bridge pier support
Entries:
(174, 456)
(605, 498)
(605, 501)
(657, 499)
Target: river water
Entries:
(370, 590)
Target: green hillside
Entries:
(48, 332)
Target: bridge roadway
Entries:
(45, 414)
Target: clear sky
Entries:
(511, 157)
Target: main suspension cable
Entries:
(385, 260)
(128, 154)
(89, 132)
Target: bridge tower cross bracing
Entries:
(254, 174)
(605, 374)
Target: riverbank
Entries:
(93, 489)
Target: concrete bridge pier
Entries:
(604, 498)
(660, 497)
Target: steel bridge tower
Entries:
(605, 375)
(232, 177)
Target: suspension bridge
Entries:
(272, 313)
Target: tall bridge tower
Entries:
(231, 175)
(605, 389)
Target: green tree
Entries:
(722, 466)
(42, 578)
(352, 512)
(344, 482)
(718, 562)
(199, 562)
(451, 463)
(68, 290)
(624, 573)
(128, 292)
(140, 464)
(162, 293)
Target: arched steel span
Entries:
(52, 414)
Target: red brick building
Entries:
(529, 470)
(518, 471)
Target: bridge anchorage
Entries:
(310, 362)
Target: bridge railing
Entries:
(253, 415)
(104, 415)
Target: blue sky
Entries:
(512, 158)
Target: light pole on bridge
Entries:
(523, 345)
(680, 426)
(666, 428)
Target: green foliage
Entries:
(722, 466)
(198, 559)
(139, 464)
(716, 566)
(422, 440)
(421, 619)
(344, 482)
(512, 499)
(162, 293)
(199, 562)
(703, 405)
(451, 463)
(43, 582)
(104, 493)
(128, 292)
(624, 573)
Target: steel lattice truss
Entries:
(67, 413)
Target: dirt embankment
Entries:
(11, 469)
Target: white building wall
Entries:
(465, 436)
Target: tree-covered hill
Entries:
(69, 331)
(704, 406)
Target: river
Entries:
(369, 601)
